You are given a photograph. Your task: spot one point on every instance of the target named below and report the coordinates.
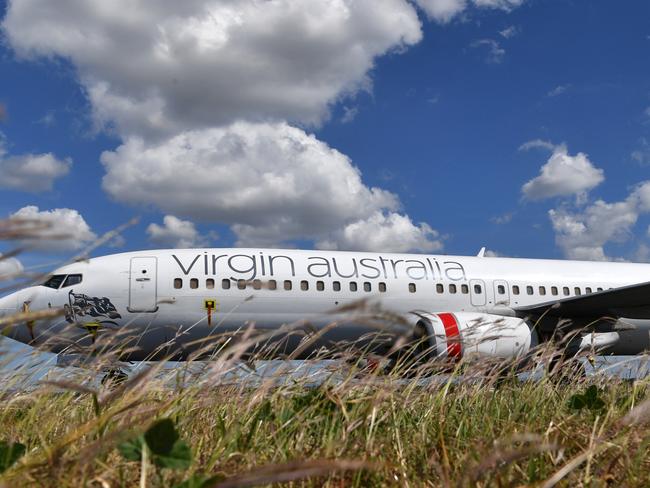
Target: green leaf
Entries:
(577, 402)
(179, 457)
(597, 404)
(131, 450)
(200, 481)
(591, 393)
(161, 437)
(9, 454)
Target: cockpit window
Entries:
(54, 281)
(72, 279)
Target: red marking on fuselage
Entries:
(453, 335)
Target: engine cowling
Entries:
(463, 334)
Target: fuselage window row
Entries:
(273, 285)
(381, 287)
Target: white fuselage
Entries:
(189, 294)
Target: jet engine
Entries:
(458, 335)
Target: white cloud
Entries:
(162, 68)
(176, 233)
(642, 153)
(389, 232)
(558, 90)
(562, 175)
(442, 10)
(489, 253)
(499, 4)
(9, 268)
(64, 229)
(495, 53)
(506, 218)
(30, 172)
(509, 32)
(349, 114)
(271, 182)
(583, 234)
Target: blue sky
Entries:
(432, 102)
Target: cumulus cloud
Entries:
(31, 172)
(495, 53)
(582, 234)
(562, 175)
(64, 229)
(271, 182)
(176, 233)
(166, 67)
(388, 232)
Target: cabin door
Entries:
(143, 284)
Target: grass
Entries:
(370, 431)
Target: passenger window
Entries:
(257, 284)
(353, 286)
(412, 287)
(565, 291)
(382, 287)
(304, 285)
(336, 285)
(464, 289)
(194, 283)
(529, 290)
(478, 289)
(241, 284)
(287, 285)
(225, 284)
(501, 290)
(515, 290)
(440, 288)
(367, 286)
(599, 289)
(577, 290)
(272, 285)
(178, 283)
(554, 290)
(209, 284)
(320, 286)
(73, 279)
(542, 290)
(587, 290)
(452, 288)
(54, 281)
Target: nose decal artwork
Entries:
(80, 305)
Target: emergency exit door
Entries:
(143, 285)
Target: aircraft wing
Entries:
(631, 302)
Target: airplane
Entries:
(173, 303)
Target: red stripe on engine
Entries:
(452, 333)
